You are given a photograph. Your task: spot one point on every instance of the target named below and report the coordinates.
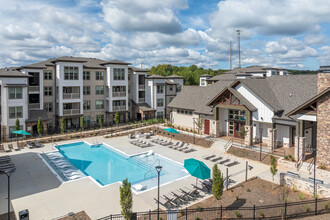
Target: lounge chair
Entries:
(6, 147)
(217, 157)
(235, 162)
(37, 144)
(189, 149)
(164, 202)
(185, 146)
(14, 145)
(193, 193)
(174, 145)
(224, 161)
(209, 156)
(203, 189)
(29, 144)
(180, 195)
(179, 146)
(172, 198)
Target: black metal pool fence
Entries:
(287, 210)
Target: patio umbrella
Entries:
(22, 132)
(197, 169)
(171, 130)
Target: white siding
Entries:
(264, 112)
(223, 118)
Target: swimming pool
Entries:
(107, 165)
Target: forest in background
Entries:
(192, 73)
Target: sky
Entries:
(293, 34)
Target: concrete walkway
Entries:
(36, 188)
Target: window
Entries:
(48, 106)
(186, 112)
(231, 128)
(16, 112)
(48, 90)
(159, 89)
(86, 75)
(99, 90)
(160, 114)
(160, 102)
(71, 73)
(87, 90)
(87, 120)
(48, 74)
(178, 88)
(237, 114)
(171, 88)
(273, 72)
(99, 76)
(99, 104)
(118, 74)
(203, 82)
(87, 105)
(15, 93)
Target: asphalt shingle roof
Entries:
(12, 72)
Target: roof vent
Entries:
(290, 94)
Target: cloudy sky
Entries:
(284, 33)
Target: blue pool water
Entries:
(107, 165)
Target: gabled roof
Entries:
(309, 102)
(155, 77)
(116, 62)
(223, 77)
(12, 72)
(138, 69)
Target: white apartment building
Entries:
(72, 87)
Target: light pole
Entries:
(8, 173)
(158, 168)
(314, 152)
(194, 129)
(260, 142)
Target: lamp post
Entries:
(314, 152)
(8, 173)
(158, 168)
(194, 129)
(260, 142)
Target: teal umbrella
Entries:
(22, 132)
(197, 169)
(171, 130)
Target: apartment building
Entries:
(72, 87)
(280, 110)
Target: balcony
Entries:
(142, 100)
(71, 95)
(119, 108)
(71, 111)
(34, 106)
(118, 94)
(142, 87)
(34, 89)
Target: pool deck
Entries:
(35, 187)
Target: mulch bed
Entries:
(80, 215)
(254, 192)
(5, 216)
(250, 154)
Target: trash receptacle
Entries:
(23, 215)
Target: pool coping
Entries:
(120, 182)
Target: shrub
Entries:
(326, 206)
(197, 218)
(322, 166)
(238, 214)
(307, 208)
(286, 157)
(200, 209)
(301, 196)
(293, 160)
(294, 188)
(290, 156)
(261, 213)
(248, 190)
(237, 198)
(182, 212)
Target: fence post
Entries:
(186, 213)
(111, 217)
(227, 178)
(285, 205)
(221, 213)
(254, 212)
(246, 171)
(149, 214)
(315, 205)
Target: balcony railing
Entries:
(34, 106)
(71, 111)
(119, 108)
(141, 87)
(141, 100)
(34, 88)
(71, 95)
(118, 94)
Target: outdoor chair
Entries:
(235, 162)
(6, 147)
(193, 193)
(217, 157)
(203, 189)
(189, 149)
(209, 156)
(14, 145)
(164, 202)
(184, 147)
(175, 145)
(224, 161)
(172, 199)
(37, 144)
(180, 195)
(29, 144)
(5, 159)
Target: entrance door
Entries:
(237, 129)
(308, 135)
(138, 116)
(69, 123)
(207, 126)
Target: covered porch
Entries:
(142, 111)
(32, 122)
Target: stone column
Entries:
(3, 133)
(299, 147)
(215, 128)
(45, 127)
(248, 136)
(272, 137)
(126, 117)
(111, 118)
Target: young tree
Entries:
(126, 199)
(273, 167)
(199, 122)
(117, 118)
(100, 120)
(40, 127)
(242, 132)
(82, 123)
(17, 126)
(63, 125)
(217, 186)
